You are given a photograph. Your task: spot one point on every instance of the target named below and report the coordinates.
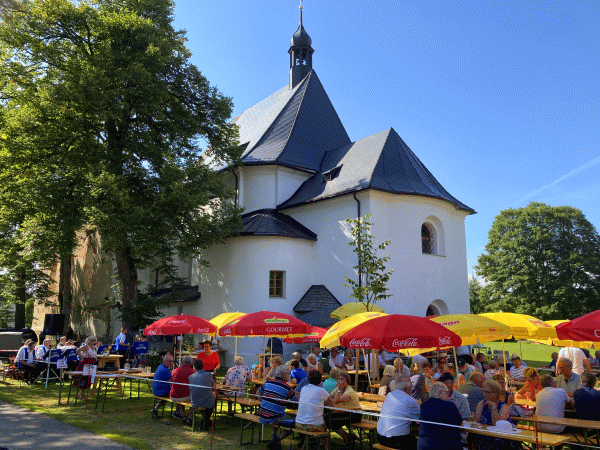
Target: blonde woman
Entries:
(532, 385)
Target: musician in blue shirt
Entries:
(122, 346)
(161, 383)
(25, 360)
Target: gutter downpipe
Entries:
(359, 261)
(236, 186)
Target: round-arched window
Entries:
(426, 240)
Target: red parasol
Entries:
(584, 328)
(315, 335)
(180, 324)
(265, 323)
(396, 331)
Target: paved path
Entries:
(22, 429)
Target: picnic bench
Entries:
(584, 425)
(250, 420)
(526, 436)
(168, 399)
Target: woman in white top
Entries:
(88, 354)
(311, 406)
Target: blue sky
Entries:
(500, 100)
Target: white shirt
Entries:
(397, 404)
(576, 355)
(25, 355)
(337, 361)
(551, 402)
(382, 362)
(40, 351)
(310, 407)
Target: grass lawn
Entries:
(534, 354)
(128, 420)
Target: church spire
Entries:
(300, 54)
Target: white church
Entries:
(300, 180)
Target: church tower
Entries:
(300, 54)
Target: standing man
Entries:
(577, 357)
(122, 346)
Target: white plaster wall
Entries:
(238, 280)
(288, 182)
(420, 279)
(333, 257)
(258, 187)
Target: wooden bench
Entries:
(379, 446)
(368, 426)
(370, 397)
(188, 404)
(253, 419)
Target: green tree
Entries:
(372, 276)
(543, 261)
(109, 81)
(475, 301)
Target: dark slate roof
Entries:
(293, 127)
(179, 294)
(319, 318)
(301, 37)
(381, 161)
(318, 297)
(269, 222)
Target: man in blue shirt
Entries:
(160, 383)
(587, 399)
(297, 372)
(122, 346)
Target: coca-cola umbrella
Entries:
(179, 325)
(396, 331)
(314, 336)
(265, 323)
(584, 328)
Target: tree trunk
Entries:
(65, 298)
(129, 282)
(21, 298)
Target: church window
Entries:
(276, 283)
(426, 240)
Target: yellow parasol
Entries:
(523, 326)
(332, 337)
(350, 309)
(471, 328)
(223, 319)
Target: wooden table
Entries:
(369, 406)
(584, 425)
(104, 360)
(527, 436)
(525, 402)
(99, 381)
(261, 382)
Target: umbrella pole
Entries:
(455, 359)
(521, 348)
(180, 342)
(504, 358)
(356, 368)
(264, 360)
(367, 366)
(235, 355)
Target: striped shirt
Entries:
(274, 396)
(517, 374)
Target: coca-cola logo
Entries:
(408, 342)
(445, 340)
(152, 333)
(177, 322)
(202, 331)
(363, 343)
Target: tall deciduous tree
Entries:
(543, 261)
(373, 278)
(128, 115)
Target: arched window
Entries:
(426, 240)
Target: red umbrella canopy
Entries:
(265, 323)
(397, 331)
(584, 328)
(180, 324)
(315, 335)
